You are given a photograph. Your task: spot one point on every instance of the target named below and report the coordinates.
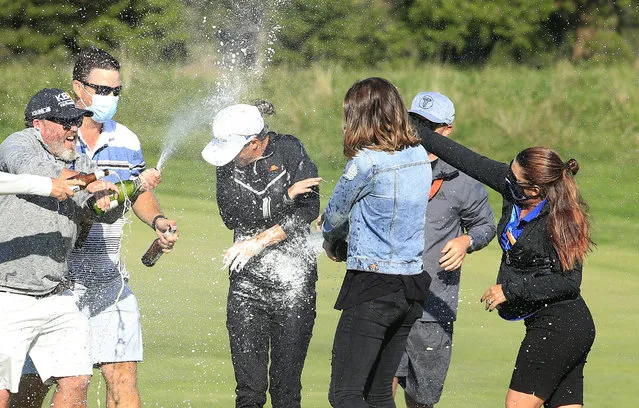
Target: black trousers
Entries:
(368, 346)
(260, 320)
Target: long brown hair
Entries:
(376, 118)
(568, 221)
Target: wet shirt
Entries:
(459, 206)
(254, 198)
(118, 150)
(40, 231)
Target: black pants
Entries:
(367, 349)
(262, 318)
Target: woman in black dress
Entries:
(544, 232)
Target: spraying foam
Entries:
(243, 55)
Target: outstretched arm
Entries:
(481, 168)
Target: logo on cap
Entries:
(41, 111)
(426, 102)
(64, 99)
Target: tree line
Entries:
(348, 32)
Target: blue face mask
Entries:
(103, 107)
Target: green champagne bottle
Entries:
(129, 190)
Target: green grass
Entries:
(586, 114)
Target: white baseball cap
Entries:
(434, 106)
(233, 127)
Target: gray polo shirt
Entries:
(37, 232)
(460, 206)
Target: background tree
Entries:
(595, 28)
(355, 33)
(150, 28)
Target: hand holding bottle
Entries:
(155, 251)
(121, 192)
(62, 189)
(103, 192)
(150, 179)
(166, 241)
(86, 179)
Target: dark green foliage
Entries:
(353, 33)
(455, 31)
(150, 28)
(466, 32)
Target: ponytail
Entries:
(568, 221)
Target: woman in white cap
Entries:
(267, 193)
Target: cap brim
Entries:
(72, 113)
(427, 115)
(219, 153)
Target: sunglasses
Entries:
(103, 89)
(67, 123)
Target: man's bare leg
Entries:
(71, 392)
(4, 398)
(121, 384)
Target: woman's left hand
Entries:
(493, 296)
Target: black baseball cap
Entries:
(52, 103)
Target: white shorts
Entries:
(50, 329)
(114, 321)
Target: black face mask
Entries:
(517, 190)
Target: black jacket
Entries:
(530, 272)
(255, 198)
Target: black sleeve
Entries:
(305, 207)
(557, 285)
(481, 168)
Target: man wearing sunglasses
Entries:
(100, 278)
(38, 312)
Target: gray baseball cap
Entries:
(433, 106)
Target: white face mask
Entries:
(103, 107)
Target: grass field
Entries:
(587, 114)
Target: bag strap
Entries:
(434, 188)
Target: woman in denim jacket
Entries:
(380, 204)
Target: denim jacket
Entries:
(380, 203)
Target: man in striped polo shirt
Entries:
(100, 278)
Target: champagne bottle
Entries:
(153, 254)
(88, 178)
(129, 189)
